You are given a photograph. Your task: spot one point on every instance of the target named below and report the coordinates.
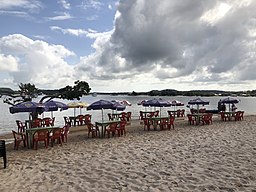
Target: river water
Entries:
(8, 120)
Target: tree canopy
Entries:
(29, 91)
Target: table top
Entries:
(107, 122)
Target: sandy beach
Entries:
(217, 157)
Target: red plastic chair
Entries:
(18, 138)
(170, 123)
(112, 128)
(128, 116)
(56, 134)
(64, 133)
(191, 119)
(87, 118)
(80, 120)
(21, 126)
(41, 135)
(93, 130)
(163, 123)
(121, 129)
(37, 122)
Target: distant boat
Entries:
(94, 94)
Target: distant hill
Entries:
(6, 91)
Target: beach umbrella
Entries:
(125, 102)
(101, 105)
(229, 100)
(198, 101)
(29, 107)
(55, 106)
(175, 103)
(118, 105)
(157, 103)
(76, 105)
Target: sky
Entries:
(125, 46)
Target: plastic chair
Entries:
(147, 124)
(18, 138)
(79, 120)
(93, 130)
(64, 133)
(110, 117)
(163, 123)
(112, 128)
(3, 152)
(67, 121)
(56, 134)
(40, 135)
(121, 129)
(47, 122)
(87, 118)
(21, 126)
(191, 119)
(170, 123)
(37, 123)
(129, 116)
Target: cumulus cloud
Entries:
(8, 63)
(178, 41)
(38, 62)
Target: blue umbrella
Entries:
(229, 100)
(157, 103)
(28, 106)
(100, 105)
(198, 101)
(118, 105)
(55, 106)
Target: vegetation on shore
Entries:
(166, 92)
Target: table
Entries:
(103, 126)
(227, 115)
(30, 133)
(156, 120)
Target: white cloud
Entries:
(31, 5)
(37, 61)
(79, 32)
(172, 43)
(95, 4)
(63, 16)
(8, 63)
(65, 4)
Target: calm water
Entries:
(7, 120)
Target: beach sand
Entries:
(217, 157)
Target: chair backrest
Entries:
(47, 121)
(37, 122)
(41, 134)
(67, 120)
(113, 126)
(87, 118)
(21, 126)
(65, 130)
(56, 133)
